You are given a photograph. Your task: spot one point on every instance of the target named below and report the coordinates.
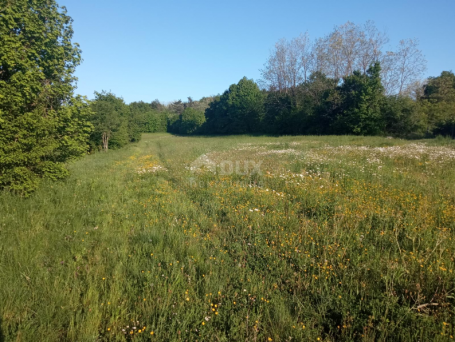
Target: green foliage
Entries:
(135, 124)
(287, 113)
(440, 87)
(191, 121)
(320, 100)
(173, 123)
(239, 110)
(41, 124)
(439, 104)
(155, 122)
(320, 105)
(278, 113)
(177, 107)
(402, 117)
(361, 96)
(156, 105)
(150, 118)
(116, 124)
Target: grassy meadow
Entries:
(236, 238)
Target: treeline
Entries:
(347, 82)
(356, 104)
(115, 123)
(322, 105)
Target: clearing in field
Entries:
(236, 239)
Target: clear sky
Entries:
(172, 49)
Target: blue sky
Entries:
(172, 49)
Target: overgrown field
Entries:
(316, 239)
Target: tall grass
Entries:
(338, 239)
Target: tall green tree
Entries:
(320, 102)
(41, 124)
(111, 119)
(402, 116)
(361, 96)
(191, 121)
(239, 110)
(149, 118)
(438, 104)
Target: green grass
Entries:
(338, 239)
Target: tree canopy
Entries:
(42, 124)
(239, 110)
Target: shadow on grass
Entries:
(278, 135)
(229, 135)
(2, 337)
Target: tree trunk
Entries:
(105, 141)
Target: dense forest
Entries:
(343, 83)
